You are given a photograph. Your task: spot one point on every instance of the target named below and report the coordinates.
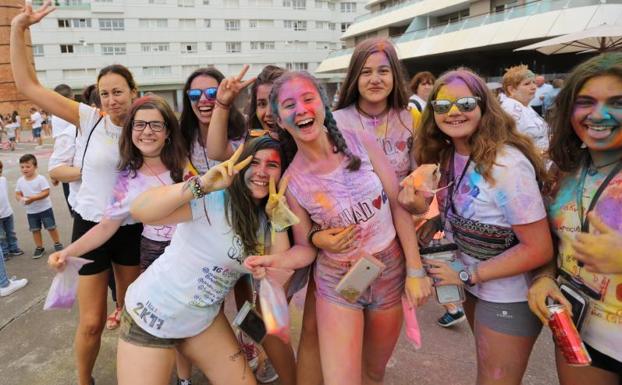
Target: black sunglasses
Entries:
(466, 104)
(194, 94)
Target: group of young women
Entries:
(186, 204)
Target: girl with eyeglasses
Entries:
(200, 106)
(585, 212)
(493, 210)
(338, 178)
(100, 133)
(221, 218)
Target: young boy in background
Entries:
(8, 240)
(33, 191)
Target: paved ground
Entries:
(36, 345)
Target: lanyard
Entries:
(453, 187)
(585, 225)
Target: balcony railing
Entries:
(386, 10)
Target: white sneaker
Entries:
(14, 285)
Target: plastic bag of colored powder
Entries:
(62, 293)
(274, 309)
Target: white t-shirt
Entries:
(59, 126)
(127, 188)
(5, 205)
(514, 199)
(201, 160)
(412, 104)
(67, 152)
(528, 121)
(101, 159)
(10, 129)
(36, 119)
(540, 91)
(32, 187)
(180, 294)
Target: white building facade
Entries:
(163, 41)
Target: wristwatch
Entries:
(465, 277)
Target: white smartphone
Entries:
(359, 277)
(445, 252)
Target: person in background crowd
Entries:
(8, 285)
(36, 120)
(542, 88)
(420, 85)
(519, 87)
(585, 212)
(549, 98)
(8, 239)
(17, 120)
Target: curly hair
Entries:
(514, 76)
(565, 149)
(173, 154)
(495, 130)
(289, 145)
(398, 98)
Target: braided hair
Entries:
(288, 144)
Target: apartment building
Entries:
(163, 41)
(482, 34)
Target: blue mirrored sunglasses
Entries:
(195, 94)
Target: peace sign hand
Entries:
(221, 176)
(29, 17)
(230, 87)
(277, 210)
(602, 252)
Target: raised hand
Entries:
(28, 16)
(277, 210)
(230, 87)
(221, 176)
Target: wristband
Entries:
(542, 275)
(195, 187)
(222, 105)
(314, 229)
(415, 273)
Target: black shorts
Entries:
(123, 248)
(603, 361)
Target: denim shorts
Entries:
(36, 132)
(135, 335)
(514, 318)
(44, 218)
(150, 250)
(384, 293)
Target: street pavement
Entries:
(36, 345)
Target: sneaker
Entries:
(14, 285)
(16, 253)
(58, 246)
(265, 373)
(449, 319)
(39, 252)
(250, 351)
(6, 256)
(183, 382)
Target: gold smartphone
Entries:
(359, 277)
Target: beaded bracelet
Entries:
(195, 187)
(314, 229)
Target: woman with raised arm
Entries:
(100, 134)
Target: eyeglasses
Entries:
(156, 125)
(195, 94)
(466, 104)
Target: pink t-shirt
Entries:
(394, 132)
(342, 197)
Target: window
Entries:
(84, 49)
(157, 1)
(296, 44)
(111, 24)
(320, 24)
(332, 26)
(189, 48)
(157, 70)
(263, 45)
(319, 3)
(187, 23)
(253, 23)
(232, 25)
(155, 47)
(299, 4)
(260, 3)
(233, 47)
(296, 25)
(66, 48)
(208, 46)
(345, 26)
(187, 70)
(231, 3)
(63, 23)
(287, 3)
(72, 2)
(207, 23)
(113, 49)
(331, 6)
(185, 3)
(348, 7)
(81, 23)
(297, 66)
(79, 73)
(205, 2)
(37, 50)
(152, 23)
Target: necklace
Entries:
(153, 173)
(375, 118)
(593, 168)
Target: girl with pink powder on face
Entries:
(586, 149)
(337, 179)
